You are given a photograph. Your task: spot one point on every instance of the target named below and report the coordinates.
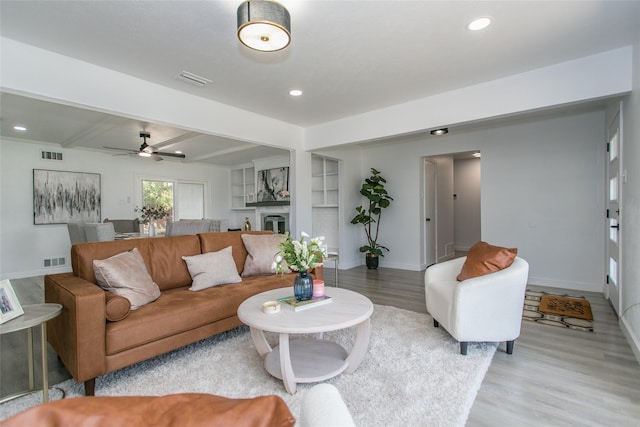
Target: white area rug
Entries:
(413, 374)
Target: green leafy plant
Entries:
(149, 213)
(373, 189)
(298, 255)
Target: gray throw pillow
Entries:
(126, 275)
(262, 249)
(212, 269)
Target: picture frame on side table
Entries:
(10, 307)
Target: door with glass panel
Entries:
(613, 213)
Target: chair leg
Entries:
(463, 348)
(510, 346)
(435, 323)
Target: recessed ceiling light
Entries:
(439, 132)
(295, 92)
(479, 23)
(19, 128)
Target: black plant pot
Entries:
(372, 261)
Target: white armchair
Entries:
(482, 309)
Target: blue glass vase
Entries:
(303, 286)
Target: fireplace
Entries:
(276, 222)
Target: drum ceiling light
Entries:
(264, 25)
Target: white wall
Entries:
(630, 215)
(24, 245)
(466, 186)
(542, 192)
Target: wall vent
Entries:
(193, 79)
(51, 155)
(55, 262)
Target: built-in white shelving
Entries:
(243, 187)
(324, 184)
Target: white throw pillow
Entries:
(126, 275)
(211, 269)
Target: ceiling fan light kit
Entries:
(264, 25)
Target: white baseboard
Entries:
(555, 283)
(633, 340)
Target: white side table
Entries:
(34, 315)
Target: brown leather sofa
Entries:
(90, 346)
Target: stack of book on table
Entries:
(303, 305)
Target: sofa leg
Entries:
(510, 346)
(90, 387)
(435, 323)
(463, 348)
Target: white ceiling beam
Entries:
(85, 137)
(218, 153)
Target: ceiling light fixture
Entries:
(295, 92)
(19, 128)
(264, 25)
(477, 155)
(479, 23)
(439, 132)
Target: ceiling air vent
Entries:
(193, 79)
(51, 155)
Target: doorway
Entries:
(430, 188)
(450, 217)
(613, 211)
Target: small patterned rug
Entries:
(562, 310)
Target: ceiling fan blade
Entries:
(162, 153)
(155, 157)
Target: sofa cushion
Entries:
(262, 251)
(172, 272)
(117, 307)
(211, 269)
(484, 258)
(125, 274)
(183, 311)
(185, 410)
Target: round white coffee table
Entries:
(308, 360)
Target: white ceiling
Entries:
(348, 57)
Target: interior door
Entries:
(430, 177)
(613, 214)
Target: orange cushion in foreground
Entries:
(183, 410)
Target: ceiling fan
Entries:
(147, 150)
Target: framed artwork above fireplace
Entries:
(273, 186)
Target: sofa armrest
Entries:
(323, 406)
(78, 333)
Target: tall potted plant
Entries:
(373, 189)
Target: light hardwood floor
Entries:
(556, 377)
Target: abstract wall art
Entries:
(60, 197)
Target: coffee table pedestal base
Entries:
(305, 361)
